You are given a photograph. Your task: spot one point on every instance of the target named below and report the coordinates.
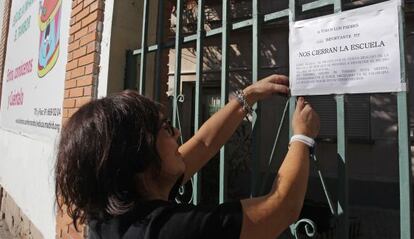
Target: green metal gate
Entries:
(339, 208)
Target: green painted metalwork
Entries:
(316, 4)
(143, 63)
(177, 68)
(198, 88)
(404, 167)
(255, 157)
(343, 188)
(216, 31)
(341, 211)
(310, 227)
(160, 37)
(292, 100)
(403, 144)
(276, 15)
(224, 93)
(342, 202)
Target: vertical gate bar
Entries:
(343, 188)
(160, 39)
(404, 167)
(177, 71)
(292, 100)
(255, 159)
(337, 5)
(224, 93)
(403, 143)
(198, 88)
(143, 63)
(342, 201)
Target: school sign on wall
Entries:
(34, 72)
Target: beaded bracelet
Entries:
(241, 98)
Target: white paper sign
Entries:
(356, 51)
(35, 65)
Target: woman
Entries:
(118, 162)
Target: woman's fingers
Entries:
(300, 104)
(274, 84)
(281, 89)
(279, 79)
(305, 119)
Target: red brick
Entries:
(70, 56)
(85, 81)
(87, 91)
(68, 75)
(82, 14)
(69, 103)
(82, 100)
(78, 72)
(95, 16)
(75, 3)
(91, 69)
(70, 84)
(75, 28)
(74, 45)
(71, 65)
(93, 47)
(93, 27)
(82, 68)
(76, 92)
(80, 33)
(90, 58)
(87, 2)
(76, 9)
(65, 113)
(93, 36)
(79, 52)
(99, 27)
(70, 113)
(96, 5)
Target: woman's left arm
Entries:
(215, 132)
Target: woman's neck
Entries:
(152, 189)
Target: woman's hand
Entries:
(274, 84)
(305, 120)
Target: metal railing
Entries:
(340, 208)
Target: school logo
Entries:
(49, 24)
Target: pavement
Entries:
(4, 231)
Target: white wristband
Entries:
(304, 139)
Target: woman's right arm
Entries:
(268, 216)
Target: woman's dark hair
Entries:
(102, 148)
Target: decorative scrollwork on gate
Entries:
(310, 228)
(185, 192)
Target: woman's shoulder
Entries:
(167, 219)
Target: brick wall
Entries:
(82, 70)
(3, 40)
